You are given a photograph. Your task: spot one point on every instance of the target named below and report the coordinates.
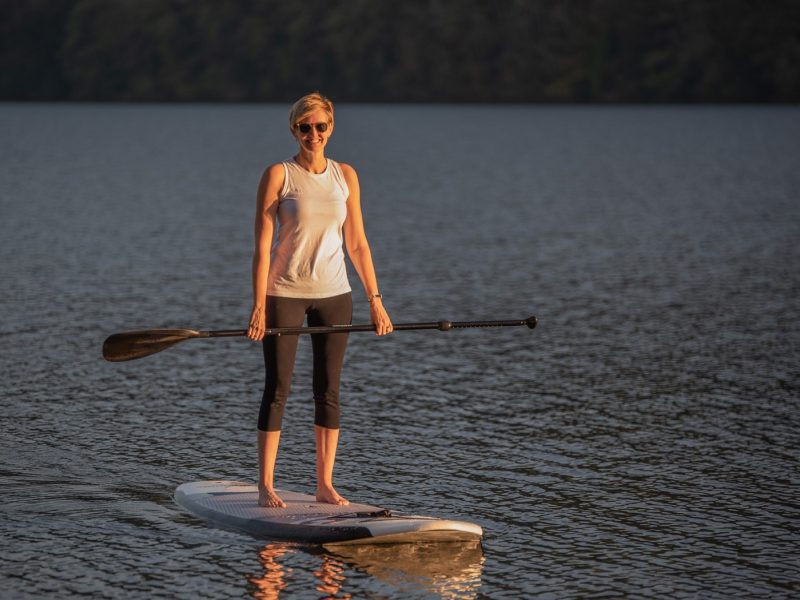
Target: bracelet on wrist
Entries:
(372, 297)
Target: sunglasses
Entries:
(306, 127)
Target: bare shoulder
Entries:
(269, 187)
(350, 175)
(347, 170)
(273, 176)
(273, 171)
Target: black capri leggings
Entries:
(279, 354)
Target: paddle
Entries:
(137, 344)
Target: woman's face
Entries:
(314, 140)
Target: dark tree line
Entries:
(409, 50)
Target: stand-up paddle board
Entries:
(234, 505)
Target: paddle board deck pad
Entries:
(234, 505)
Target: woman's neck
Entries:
(315, 162)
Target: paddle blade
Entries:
(136, 344)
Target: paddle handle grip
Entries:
(530, 322)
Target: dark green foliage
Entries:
(414, 50)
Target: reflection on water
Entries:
(446, 570)
(270, 584)
(331, 578)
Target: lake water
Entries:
(642, 441)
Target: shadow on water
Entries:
(447, 570)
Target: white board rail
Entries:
(234, 505)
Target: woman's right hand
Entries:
(258, 321)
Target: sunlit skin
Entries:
(310, 156)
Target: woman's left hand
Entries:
(380, 318)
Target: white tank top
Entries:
(307, 260)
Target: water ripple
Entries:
(641, 441)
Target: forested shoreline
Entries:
(413, 51)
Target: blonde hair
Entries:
(308, 104)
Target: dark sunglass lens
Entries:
(306, 127)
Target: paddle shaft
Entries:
(137, 344)
(440, 325)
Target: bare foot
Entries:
(269, 499)
(329, 496)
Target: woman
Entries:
(314, 200)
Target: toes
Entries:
(331, 497)
(271, 500)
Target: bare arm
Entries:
(266, 213)
(355, 239)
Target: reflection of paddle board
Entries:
(234, 505)
(442, 570)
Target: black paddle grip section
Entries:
(224, 333)
(530, 322)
